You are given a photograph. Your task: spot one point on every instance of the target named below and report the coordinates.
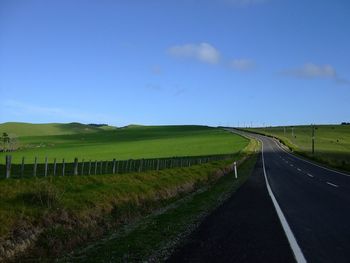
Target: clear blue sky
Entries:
(223, 62)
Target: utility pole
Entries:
(313, 138)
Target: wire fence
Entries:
(42, 168)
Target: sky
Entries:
(155, 62)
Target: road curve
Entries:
(314, 200)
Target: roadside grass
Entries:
(61, 213)
(154, 238)
(73, 140)
(332, 142)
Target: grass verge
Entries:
(45, 217)
(153, 238)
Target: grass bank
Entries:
(155, 237)
(332, 142)
(57, 214)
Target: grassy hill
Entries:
(332, 142)
(132, 142)
(20, 129)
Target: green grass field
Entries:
(105, 143)
(332, 142)
(76, 207)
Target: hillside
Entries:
(20, 129)
(76, 140)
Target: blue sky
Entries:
(223, 62)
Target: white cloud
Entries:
(202, 52)
(312, 71)
(242, 64)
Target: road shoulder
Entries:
(245, 228)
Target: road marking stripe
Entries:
(291, 165)
(310, 175)
(329, 183)
(298, 254)
(302, 159)
(299, 169)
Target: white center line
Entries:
(299, 170)
(310, 175)
(291, 165)
(332, 184)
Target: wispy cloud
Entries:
(202, 52)
(245, 3)
(25, 110)
(242, 64)
(313, 71)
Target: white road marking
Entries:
(299, 169)
(291, 165)
(298, 254)
(302, 159)
(310, 175)
(334, 185)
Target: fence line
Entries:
(10, 170)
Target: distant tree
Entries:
(345, 123)
(97, 124)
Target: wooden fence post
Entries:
(101, 164)
(75, 166)
(54, 167)
(35, 166)
(63, 166)
(140, 165)
(113, 169)
(157, 164)
(126, 166)
(89, 167)
(45, 173)
(95, 167)
(22, 167)
(82, 167)
(106, 168)
(8, 165)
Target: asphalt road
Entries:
(314, 200)
(246, 228)
(290, 209)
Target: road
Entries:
(245, 228)
(287, 200)
(314, 200)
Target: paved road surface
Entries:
(245, 228)
(314, 200)
(314, 205)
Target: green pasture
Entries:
(105, 143)
(332, 142)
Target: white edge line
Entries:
(329, 183)
(302, 159)
(298, 254)
(310, 175)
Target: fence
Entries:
(94, 167)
